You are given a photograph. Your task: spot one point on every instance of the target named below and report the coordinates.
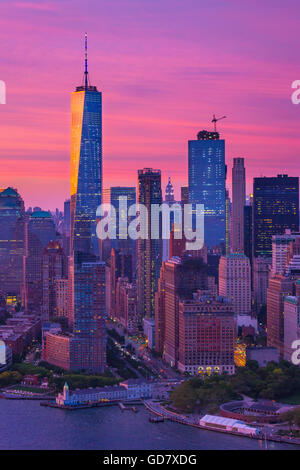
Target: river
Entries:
(27, 425)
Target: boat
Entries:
(156, 419)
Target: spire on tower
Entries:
(85, 63)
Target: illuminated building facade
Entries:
(86, 282)
(12, 241)
(235, 281)
(41, 231)
(279, 287)
(291, 322)
(238, 203)
(53, 269)
(86, 165)
(179, 278)
(206, 336)
(149, 250)
(206, 173)
(275, 208)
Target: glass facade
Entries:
(149, 251)
(86, 167)
(12, 241)
(206, 173)
(275, 208)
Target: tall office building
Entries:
(248, 232)
(280, 249)
(149, 250)
(261, 273)
(184, 194)
(235, 282)
(227, 222)
(275, 208)
(279, 287)
(238, 203)
(85, 348)
(179, 279)
(86, 164)
(206, 168)
(112, 196)
(53, 269)
(12, 241)
(40, 232)
(206, 335)
(120, 265)
(291, 322)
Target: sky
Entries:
(164, 68)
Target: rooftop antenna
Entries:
(215, 120)
(85, 63)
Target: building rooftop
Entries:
(40, 215)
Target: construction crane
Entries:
(215, 120)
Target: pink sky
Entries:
(164, 67)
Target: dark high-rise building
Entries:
(248, 231)
(179, 279)
(238, 203)
(89, 314)
(206, 161)
(227, 222)
(12, 241)
(149, 250)
(279, 287)
(53, 269)
(122, 241)
(184, 194)
(120, 266)
(40, 231)
(275, 208)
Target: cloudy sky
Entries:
(164, 67)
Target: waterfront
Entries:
(27, 425)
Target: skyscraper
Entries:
(85, 348)
(86, 164)
(54, 269)
(41, 231)
(275, 208)
(149, 250)
(206, 168)
(12, 241)
(235, 282)
(291, 322)
(248, 232)
(280, 249)
(179, 279)
(279, 287)
(87, 311)
(206, 336)
(238, 203)
(112, 196)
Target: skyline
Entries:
(159, 88)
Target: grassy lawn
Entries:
(292, 399)
(29, 389)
